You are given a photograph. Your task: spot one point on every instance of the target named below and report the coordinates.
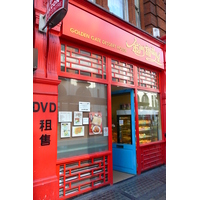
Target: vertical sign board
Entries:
(56, 11)
(44, 136)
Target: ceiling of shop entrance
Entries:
(117, 88)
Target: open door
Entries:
(123, 131)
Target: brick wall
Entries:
(154, 16)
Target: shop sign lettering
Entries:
(45, 140)
(97, 40)
(40, 105)
(45, 125)
(145, 51)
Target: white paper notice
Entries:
(105, 131)
(84, 106)
(121, 122)
(85, 120)
(65, 116)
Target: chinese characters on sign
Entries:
(144, 50)
(45, 140)
(45, 125)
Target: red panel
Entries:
(109, 37)
(40, 45)
(81, 174)
(152, 155)
(44, 123)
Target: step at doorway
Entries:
(120, 176)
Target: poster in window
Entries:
(95, 123)
(78, 118)
(65, 130)
(77, 131)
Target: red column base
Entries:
(46, 188)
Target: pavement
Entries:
(149, 185)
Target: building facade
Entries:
(99, 96)
(144, 14)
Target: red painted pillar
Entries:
(45, 104)
(110, 173)
(163, 101)
(45, 181)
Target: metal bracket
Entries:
(42, 22)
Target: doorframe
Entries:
(132, 96)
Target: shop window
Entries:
(82, 118)
(122, 72)
(149, 117)
(78, 61)
(119, 8)
(148, 78)
(137, 13)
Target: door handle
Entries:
(120, 146)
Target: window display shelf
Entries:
(144, 137)
(147, 136)
(142, 129)
(148, 127)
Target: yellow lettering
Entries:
(108, 44)
(77, 32)
(149, 52)
(96, 39)
(121, 49)
(71, 30)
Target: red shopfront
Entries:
(76, 76)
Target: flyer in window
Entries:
(78, 118)
(77, 131)
(95, 123)
(65, 130)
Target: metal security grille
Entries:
(82, 175)
(122, 72)
(81, 62)
(147, 78)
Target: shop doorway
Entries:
(123, 133)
